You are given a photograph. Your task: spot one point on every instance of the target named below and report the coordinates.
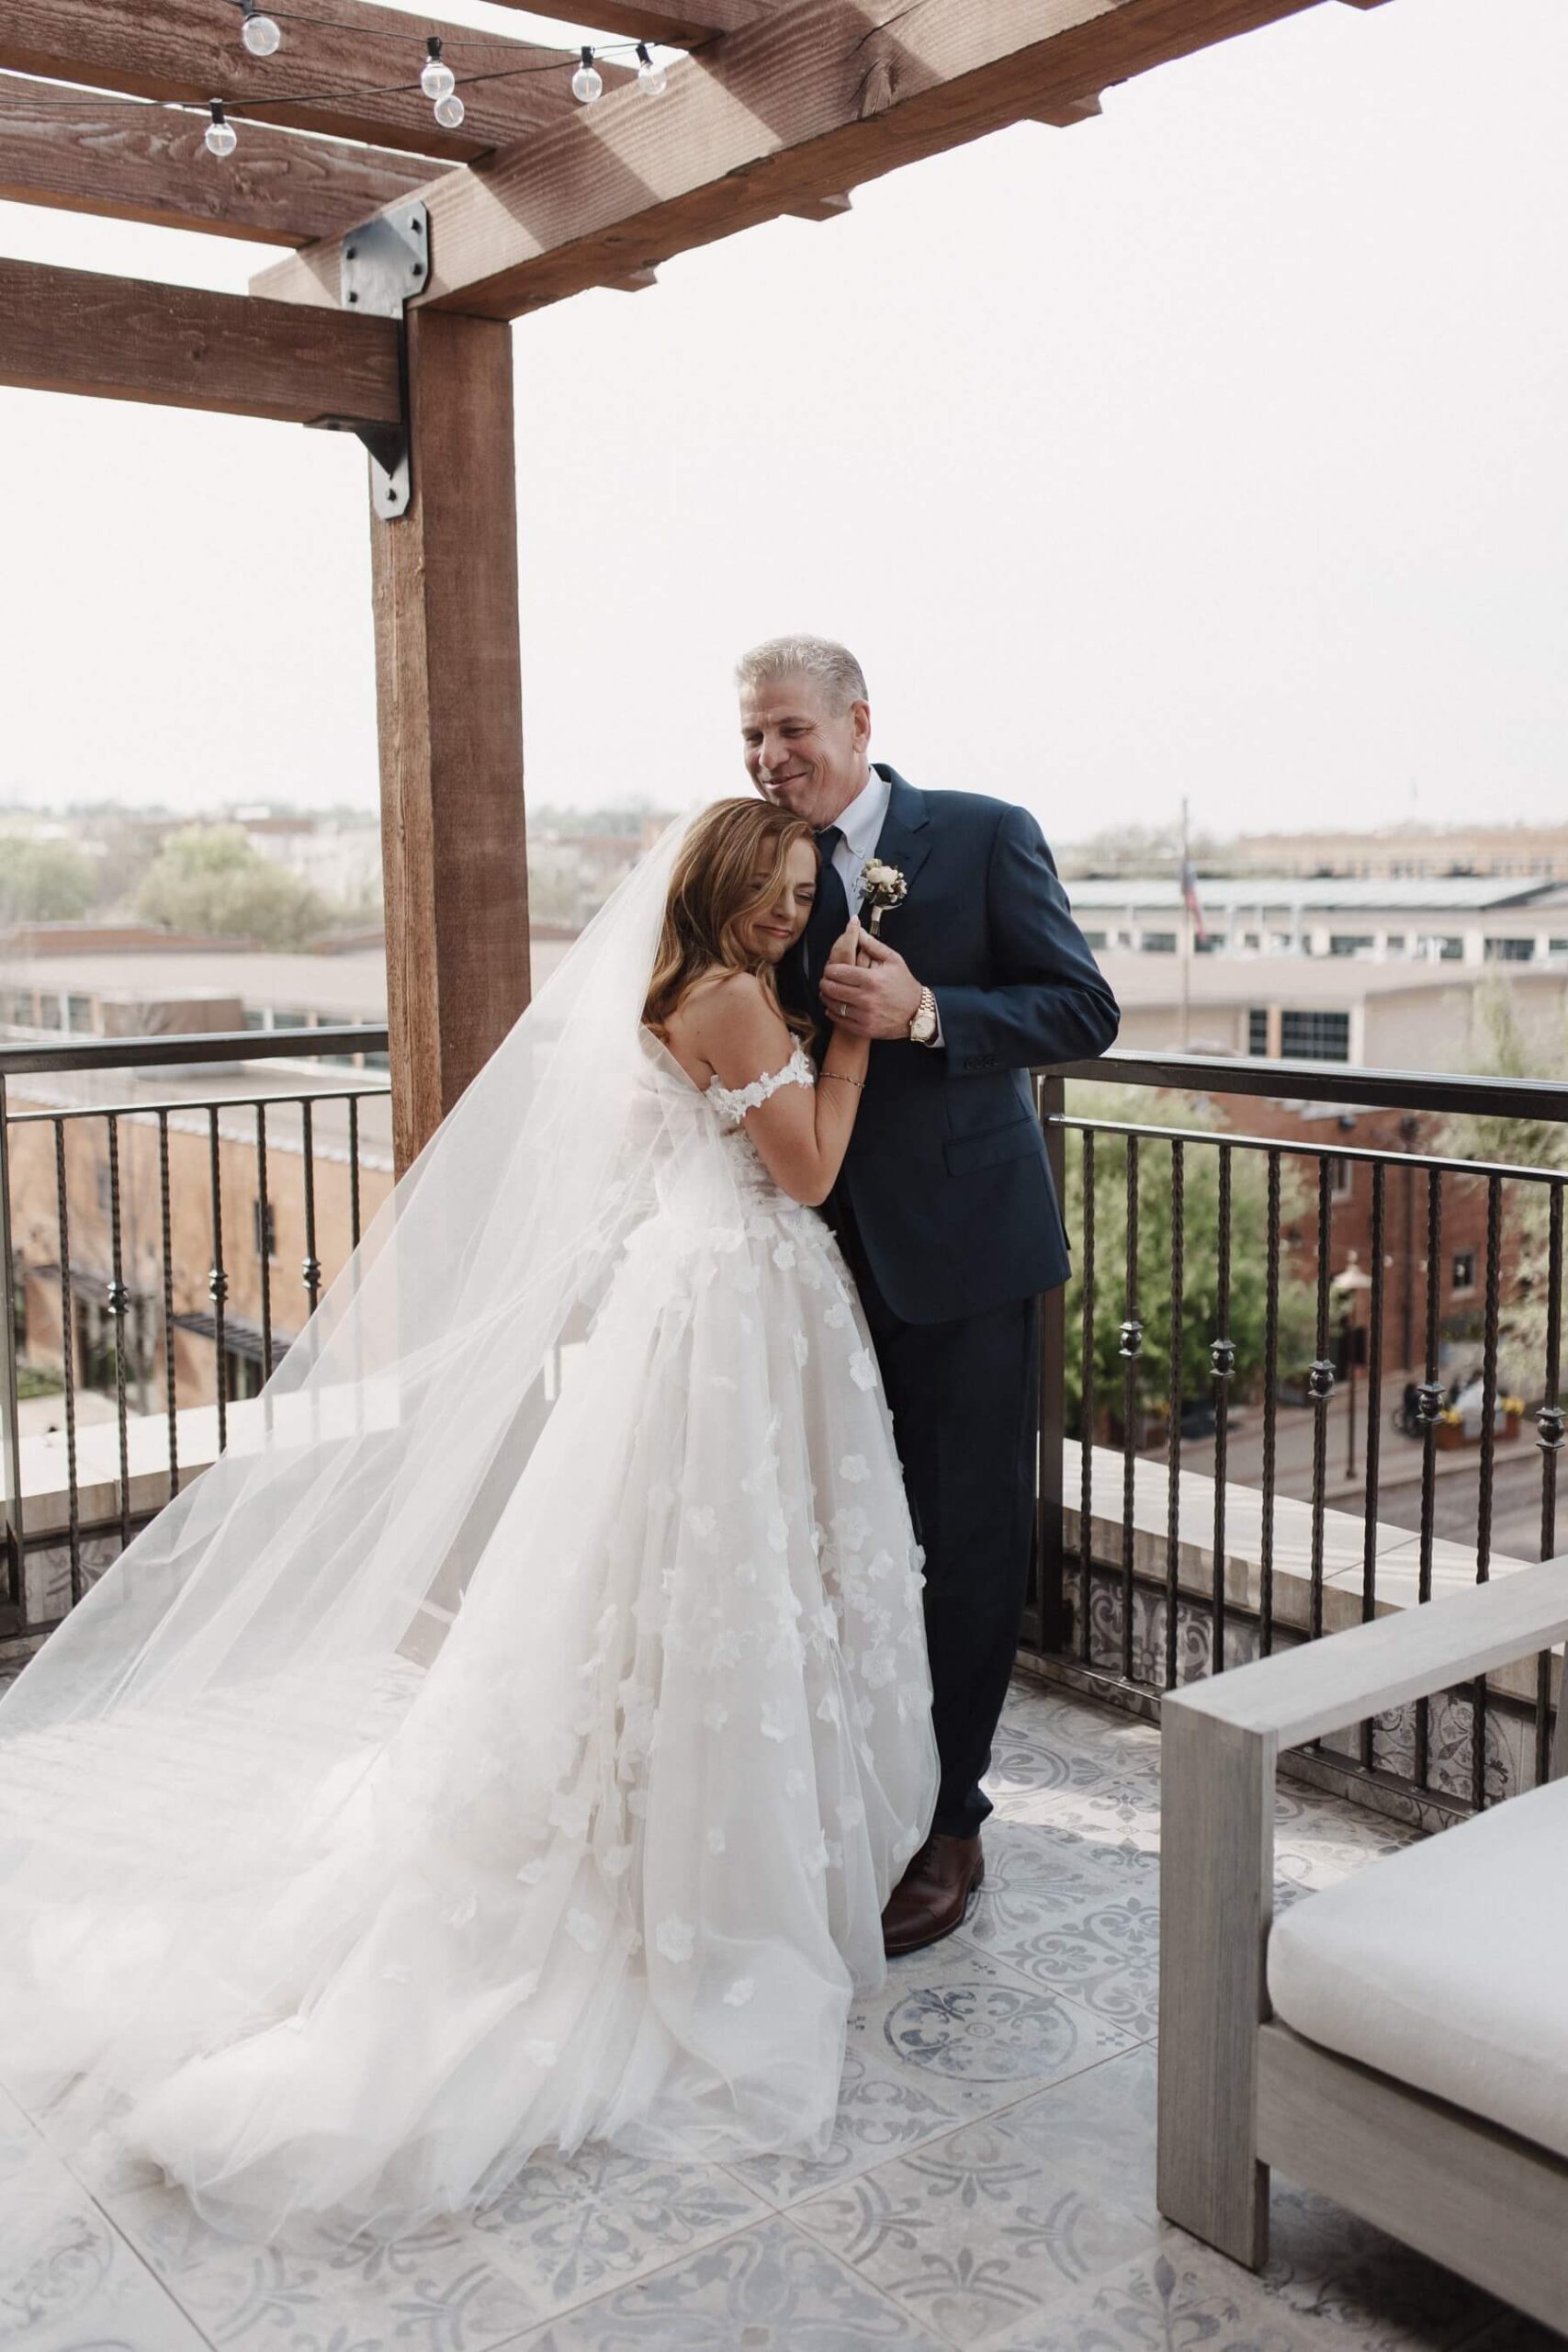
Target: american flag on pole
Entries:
(1189, 894)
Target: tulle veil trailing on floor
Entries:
(320, 1813)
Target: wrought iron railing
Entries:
(1158, 1610)
(1126, 1599)
(135, 1317)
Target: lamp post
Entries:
(1349, 1284)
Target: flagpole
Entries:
(1186, 937)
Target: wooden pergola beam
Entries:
(809, 103)
(119, 339)
(144, 163)
(667, 20)
(367, 57)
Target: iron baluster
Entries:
(1320, 1388)
(1270, 1408)
(170, 1370)
(1131, 1346)
(217, 1283)
(1548, 1437)
(1222, 1365)
(1086, 1467)
(1374, 1438)
(1429, 1405)
(119, 1303)
(68, 1360)
(1173, 1433)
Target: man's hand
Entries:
(877, 998)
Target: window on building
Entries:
(47, 1012)
(1464, 1269)
(1158, 943)
(1394, 943)
(1341, 1178)
(254, 1017)
(1283, 942)
(1314, 1036)
(378, 1061)
(241, 1375)
(1094, 939)
(1509, 951)
(267, 1235)
(1252, 939)
(94, 1343)
(1444, 948)
(1257, 1030)
(1557, 947)
(79, 1012)
(290, 1019)
(1350, 942)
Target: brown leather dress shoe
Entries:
(931, 1899)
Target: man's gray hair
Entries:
(832, 666)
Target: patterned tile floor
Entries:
(990, 2187)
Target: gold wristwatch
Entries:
(922, 1028)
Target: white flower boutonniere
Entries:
(884, 886)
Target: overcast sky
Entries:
(1215, 447)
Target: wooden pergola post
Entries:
(449, 699)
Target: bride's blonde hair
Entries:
(713, 890)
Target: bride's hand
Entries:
(846, 947)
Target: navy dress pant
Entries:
(965, 1403)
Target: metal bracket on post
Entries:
(385, 261)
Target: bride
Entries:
(514, 1737)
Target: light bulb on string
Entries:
(651, 79)
(259, 32)
(450, 110)
(218, 136)
(436, 79)
(587, 82)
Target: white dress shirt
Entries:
(860, 828)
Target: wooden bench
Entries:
(1240, 2090)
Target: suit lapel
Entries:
(905, 838)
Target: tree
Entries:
(1500, 1047)
(1135, 1106)
(45, 881)
(213, 878)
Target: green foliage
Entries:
(45, 881)
(1200, 1253)
(212, 878)
(1499, 1047)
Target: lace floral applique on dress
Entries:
(732, 1102)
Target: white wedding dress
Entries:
(610, 1863)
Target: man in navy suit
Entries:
(944, 1208)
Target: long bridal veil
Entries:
(184, 1764)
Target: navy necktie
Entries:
(831, 910)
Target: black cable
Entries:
(75, 98)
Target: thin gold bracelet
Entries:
(844, 1078)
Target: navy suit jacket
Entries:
(946, 1176)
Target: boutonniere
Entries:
(883, 887)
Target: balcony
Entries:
(1246, 1442)
(991, 2187)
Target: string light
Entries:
(437, 80)
(587, 82)
(651, 79)
(219, 138)
(450, 110)
(259, 32)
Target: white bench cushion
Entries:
(1445, 1965)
